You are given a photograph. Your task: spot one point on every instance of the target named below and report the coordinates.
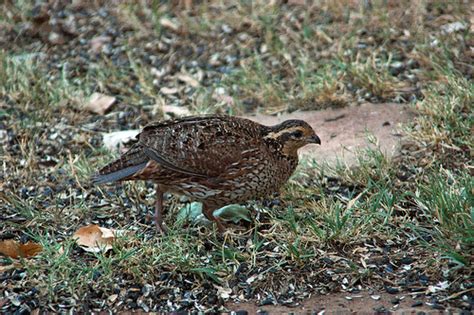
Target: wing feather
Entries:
(201, 146)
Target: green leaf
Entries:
(190, 212)
(233, 213)
(209, 272)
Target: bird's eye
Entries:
(297, 134)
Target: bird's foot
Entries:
(221, 226)
(160, 228)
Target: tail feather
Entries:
(128, 164)
(117, 175)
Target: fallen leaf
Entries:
(114, 141)
(100, 103)
(233, 213)
(188, 79)
(93, 238)
(14, 249)
(191, 212)
(176, 110)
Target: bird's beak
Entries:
(314, 139)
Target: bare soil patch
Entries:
(344, 303)
(346, 131)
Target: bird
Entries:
(213, 159)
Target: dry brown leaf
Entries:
(93, 238)
(14, 249)
(100, 103)
(176, 110)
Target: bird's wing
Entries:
(201, 146)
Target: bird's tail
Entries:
(128, 164)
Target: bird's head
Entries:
(292, 135)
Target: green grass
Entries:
(418, 204)
(447, 201)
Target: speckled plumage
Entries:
(216, 160)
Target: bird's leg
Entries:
(209, 214)
(158, 211)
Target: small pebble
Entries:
(424, 279)
(380, 309)
(327, 261)
(164, 276)
(395, 300)
(96, 275)
(267, 301)
(437, 306)
(212, 299)
(406, 260)
(417, 303)
(391, 290)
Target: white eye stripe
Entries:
(276, 135)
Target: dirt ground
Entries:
(344, 303)
(345, 131)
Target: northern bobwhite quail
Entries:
(216, 160)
